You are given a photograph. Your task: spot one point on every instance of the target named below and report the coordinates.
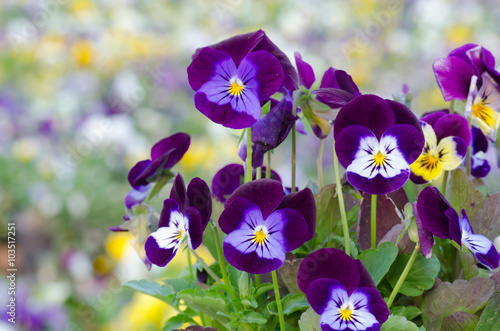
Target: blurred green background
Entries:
(87, 87)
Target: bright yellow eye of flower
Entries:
(484, 113)
(179, 236)
(260, 237)
(236, 86)
(429, 161)
(346, 314)
(379, 159)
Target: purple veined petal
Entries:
(432, 117)
(227, 180)
(479, 141)
(199, 197)
(264, 70)
(137, 196)
(333, 97)
(365, 279)
(157, 255)
(326, 295)
(461, 52)
(240, 212)
(403, 115)
(306, 73)
(205, 63)
(135, 177)
(178, 193)
(267, 194)
(483, 249)
(454, 226)
(453, 125)
(453, 76)
(328, 263)
(376, 305)
(452, 151)
(369, 111)
(299, 126)
(288, 227)
(431, 207)
(419, 180)
(351, 140)
(410, 141)
(480, 58)
(303, 202)
(379, 184)
(465, 224)
(194, 227)
(479, 167)
(170, 206)
(424, 236)
(177, 143)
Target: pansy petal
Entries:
(272, 129)
(329, 263)
(425, 238)
(479, 167)
(369, 111)
(238, 212)
(137, 196)
(431, 206)
(157, 255)
(303, 202)
(194, 228)
(199, 197)
(452, 151)
(205, 62)
(176, 145)
(483, 249)
(178, 193)
(267, 194)
(351, 140)
(227, 180)
(479, 141)
(375, 304)
(465, 224)
(410, 141)
(267, 70)
(454, 228)
(453, 76)
(432, 117)
(403, 115)
(135, 175)
(453, 125)
(289, 227)
(424, 168)
(339, 79)
(326, 294)
(379, 184)
(169, 206)
(333, 97)
(306, 73)
(480, 57)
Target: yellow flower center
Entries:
(179, 236)
(346, 314)
(484, 113)
(236, 86)
(379, 159)
(429, 161)
(260, 236)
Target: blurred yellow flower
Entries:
(83, 53)
(25, 149)
(115, 244)
(458, 35)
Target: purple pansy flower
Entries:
(230, 177)
(262, 225)
(232, 77)
(446, 139)
(336, 89)
(341, 291)
(480, 167)
(435, 216)
(184, 217)
(269, 131)
(376, 141)
(468, 73)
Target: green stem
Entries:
(452, 106)
(249, 155)
(206, 267)
(189, 263)
(202, 318)
(468, 160)
(268, 168)
(278, 300)
(258, 173)
(320, 164)
(373, 224)
(294, 141)
(257, 280)
(229, 288)
(340, 197)
(445, 180)
(403, 276)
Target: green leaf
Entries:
(266, 108)
(176, 322)
(179, 284)
(253, 317)
(264, 287)
(153, 289)
(410, 312)
(461, 193)
(490, 318)
(288, 273)
(309, 321)
(290, 303)
(421, 277)
(460, 321)
(486, 221)
(378, 261)
(399, 323)
(212, 303)
(468, 264)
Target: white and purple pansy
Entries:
(341, 291)
(376, 141)
(446, 139)
(232, 77)
(480, 167)
(435, 216)
(262, 225)
(183, 218)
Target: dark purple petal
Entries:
(306, 73)
(199, 197)
(453, 125)
(178, 193)
(195, 227)
(453, 76)
(455, 232)
(365, 279)
(431, 207)
(158, 256)
(461, 52)
(369, 111)
(251, 262)
(321, 291)
(267, 71)
(272, 129)
(329, 263)
(135, 177)
(376, 304)
(403, 115)
(424, 236)
(479, 141)
(479, 167)
(481, 58)
(227, 180)
(234, 214)
(417, 179)
(169, 206)
(339, 79)
(432, 117)
(204, 64)
(267, 194)
(303, 202)
(410, 140)
(290, 223)
(333, 97)
(137, 196)
(347, 143)
(378, 184)
(176, 145)
(484, 250)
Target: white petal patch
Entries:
(172, 236)
(364, 161)
(477, 243)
